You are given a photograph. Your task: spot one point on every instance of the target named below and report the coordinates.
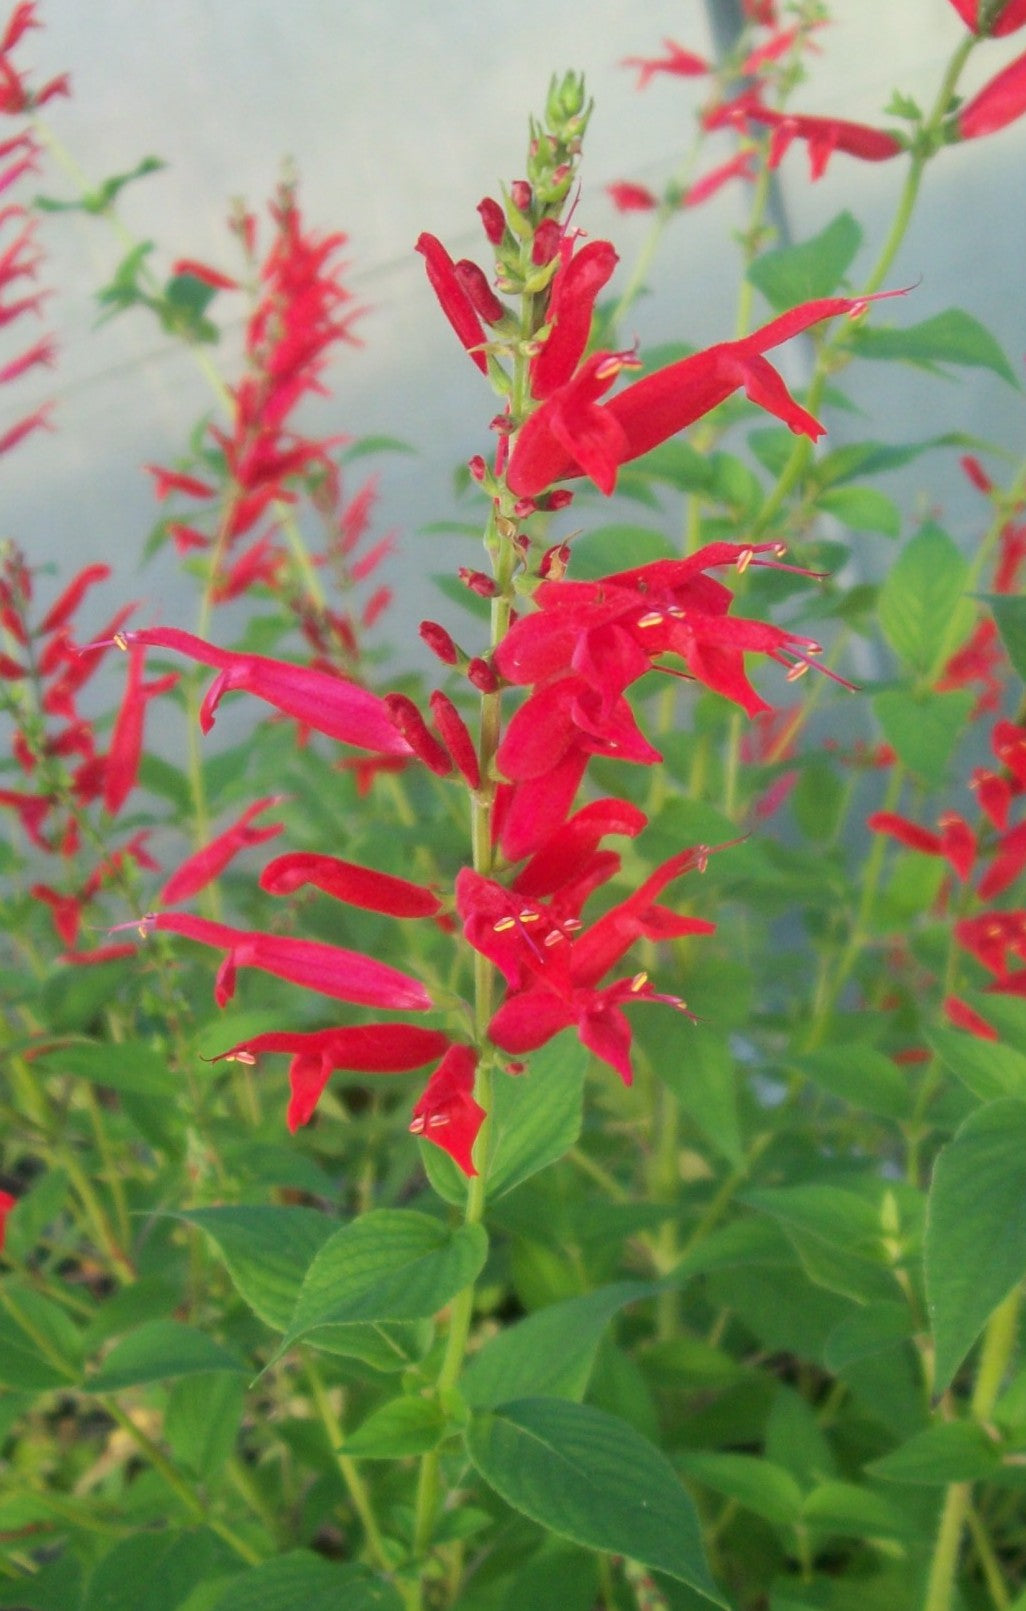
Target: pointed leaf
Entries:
(975, 1248)
(924, 728)
(391, 1264)
(1010, 615)
(952, 337)
(591, 1478)
(304, 1579)
(923, 612)
(159, 1351)
(406, 1426)
(266, 1251)
(814, 268)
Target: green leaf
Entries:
(751, 1480)
(924, 614)
(40, 1347)
(1010, 614)
(156, 1571)
(159, 1351)
(557, 1578)
(550, 1353)
(953, 1451)
(266, 1251)
(814, 268)
(868, 1331)
(304, 1579)
(861, 459)
(696, 1062)
(120, 1065)
(989, 1069)
(853, 1511)
(536, 1119)
(952, 337)
(975, 1248)
(406, 1426)
(862, 509)
(859, 1075)
(603, 549)
(202, 1421)
(924, 727)
(591, 1478)
(385, 1345)
(837, 1235)
(391, 1264)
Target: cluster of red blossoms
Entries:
(261, 460)
(575, 656)
(1000, 102)
(20, 257)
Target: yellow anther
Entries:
(120, 641)
(652, 619)
(639, 982)
(527, 916)
(797, 671)
(504, 925)
(744, 559)
(242, 1057)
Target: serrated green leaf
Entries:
(859, 1075)
(304, 1579)
(589, 1477)
(406, 1426)
(953, 1451)
(924, 613)
(1009, 611)
(975, 1248)
(989, 1069)
(266, 1251)
(160, 1351)
(952, 337)
(391, 1264)
(120, 1065)
(536, 1118)
(551, 1352)
(750, 1480)
(813, 268)
(924, 728)
(862, 509)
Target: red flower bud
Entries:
(479, 293)
(546, 241)
(481, 675)
(493, 218)
(456, 736)
(410, 724)
(439, 642)
(479, 583)
(522, 195)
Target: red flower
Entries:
(824, 136)
(347, 881)
(447, 1113)
(7, 1202)
(572, 296)
(680, 63)
(572, 434)
(346, 975)
(992, 937)
(1010, 16)
(207, 864)
(553, 970)
(452, 298)
(998, 103)
(329, 704)
(122, 765)
(360, 1049)
(631, 198)
(956, 841)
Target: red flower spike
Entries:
(1011, 15)
(328, 969)
(678, 62)
(410, 723)
(456, 737)
(447, 1113)
(452, 298)
(207, 864)
(342, 710)
(348, 881)
(572, 434)
(7, 1203)
(361, 1049)
(998, 103)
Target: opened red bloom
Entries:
(447, 1113)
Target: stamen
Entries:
(797, 671)
(120, 641)
(504, 925)
(652, 619)
(527, 916)
(744, 559)
(437, 1120)
(417, 1125)
(242, 1057)
(639, 982)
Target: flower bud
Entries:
(408, 721)
(554, 562)
(521, 194)
(546, 241)
(479, 293)
(481, 675)
(440, 643)
(484, 586)
(565, 99)
(494, 220)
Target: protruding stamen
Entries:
(654, 618)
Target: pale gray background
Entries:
(399, 118)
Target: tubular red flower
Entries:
(348, 881)
(452, 298)
(956, 841)
(572, 434)
(456, 737)
(125, 753)
(447, 1113)
(328, 704)
(207, 864)
(678, 62)
(328, 969)
(572, 297)
(410, 723)
(65, 605)
(998, 103)
(359, 1049)
(824, 136)
(1010, 16)
(628, 197)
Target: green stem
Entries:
(999, 1341)
(349, 1470)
